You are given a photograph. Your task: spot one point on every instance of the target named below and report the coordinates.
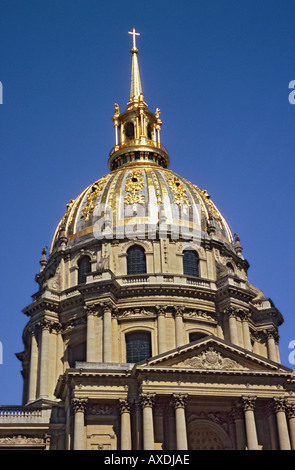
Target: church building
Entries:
(145, 332)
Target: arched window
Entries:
(136, 262)
(84, 269)
(149, 131)
(138, 346)
(230, 268)
(196, 335)
(129, 131)
(190, 263)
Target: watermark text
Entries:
(292, 94)
(292, 353)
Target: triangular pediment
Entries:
(214, 354)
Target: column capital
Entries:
(45, 324)
(231, 312)
(79, 404)
(249, 403)
(147, 399)
(179, 400)
(178, 310)
(272, 334)
(124, 406)
(244, 314)
(106, 306)
(91, 309)
(279, 404)
(161, 309)
(291, 410)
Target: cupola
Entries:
(137, 130)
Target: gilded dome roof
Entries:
(141, 200)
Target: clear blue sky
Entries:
(219, 71)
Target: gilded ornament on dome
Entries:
(69, 207)
(65, 218)
(93, 194)
(134, 184)
(213, 210)
(176, 186)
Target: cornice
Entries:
(41, 305)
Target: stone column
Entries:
(147, 402)
(107, 332)
(246, 332)
(44, 358)
(91, 311)
(271, 336)
(291, 419)
(238, 417)
(115, 336)
(33, 368)
(179, 402)
(233, 328)
(79, 407)
(280, 409)
(59, 351)
(179, 329)
(52, 353)
(251, 434)
(125, 425)
(161, 329)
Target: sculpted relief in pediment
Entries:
(210, 359)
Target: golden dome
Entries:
(140, 197)
(141, 200)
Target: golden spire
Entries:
(137, 130)
(135, 88)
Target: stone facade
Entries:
(209, 373)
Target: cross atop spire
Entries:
(134, 34)
(135, 88)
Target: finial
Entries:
(43, 261)
(239, 249)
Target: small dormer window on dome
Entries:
(190, 263)
(136, 262)
(84, 268)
